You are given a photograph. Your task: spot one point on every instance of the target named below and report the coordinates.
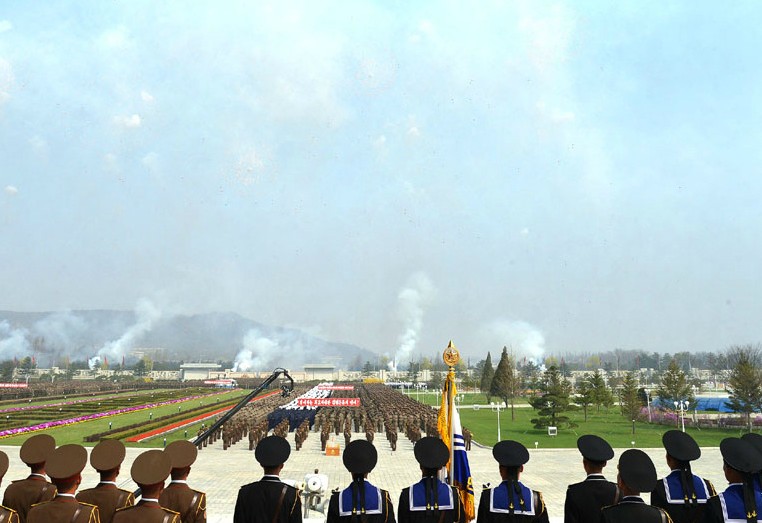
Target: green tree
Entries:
(584, 397)
(367, 369)
(745, 381)
(530, 375)
(6, 370)
(629, 398)
(601, 393)
(488, 373)
(554, 401)
(139, 369)
(505, 384)
(674, 386)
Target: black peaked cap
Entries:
(594, 448)
(755, 440)
(431, 453)
(637, 470)
(741, 455)
(510, 453)
(680, 445)
(272, 451)
(360, 456)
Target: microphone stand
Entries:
(286, 390)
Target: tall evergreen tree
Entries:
(674, 386)
(601, 393)
(584, 397)
(505, 383)
(488, 373)
(745, 381)
(554, 401)
(629, 399)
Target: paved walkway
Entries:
(220, 473)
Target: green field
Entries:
(610, 425)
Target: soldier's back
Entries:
(8, 515)
(189, 503)
(585, 500)
(146, 513)
(633, 512)
(259, 501)
(108, 498)
(63, 509)
(22, 494)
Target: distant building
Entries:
(320, 371)
(198, 371)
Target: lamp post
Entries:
(648, 404)
(496, 408)
(683, 406)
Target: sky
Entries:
(553, 176)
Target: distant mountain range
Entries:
(199, 337)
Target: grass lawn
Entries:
(612, 426)
(76, 433)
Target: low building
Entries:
(198, 371)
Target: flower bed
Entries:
(98, 415)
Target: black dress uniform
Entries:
(149, 469)
(637, 472)
(269, 500)
(22, 494)
(64, 465)
(740, 502)
(430, 500)
(682, 494)
(585, 500)
(105, 457)
(7, 515)
(511, 501)
(178, 496)
(361, 501)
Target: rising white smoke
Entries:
(13, 342)
(147, 315)
(257, 353)
(523, 338)
(412, 301)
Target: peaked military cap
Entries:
(360, 456)
(181, 453)
(272, 451)
(431, 453)
(594, 448)
(754, 439)
(3, 463)
(37, 449)
(680, 445)
(107, 455)
(741, 455)
(510, 453)
(151, 467)
(66, 461)
(637, 470)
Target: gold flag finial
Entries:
(451, 355)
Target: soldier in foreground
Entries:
(585, 500)
(431, 500)
(361, 499)
(7, 515)
(64, 466)
(742, 500)
(106, 458)
(511, 501)
(682, 494)
(636, 474)
(178, 496)
(22, 494)
(149, 470)
(269, 500)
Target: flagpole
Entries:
(451, 357)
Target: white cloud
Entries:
(38, 143)
(525, 231)
(6, 80)
(5, 25)
(151, 161)
(11, 190)
(130, 122)
(116, 38)
(414, 132)
(146, 96)
(379, 142)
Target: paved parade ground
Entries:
(220, 473)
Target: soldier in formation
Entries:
(7, 515)
(430, 500)
(682, 494)
(269, 500)
(64, 466)
(178, 496)
(149, 471)
(22, 494)
(585, 500)
(106, 458)
(361, 501)
(636, 474)
(741, 502)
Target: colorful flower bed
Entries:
(59, 404)
(98, 415)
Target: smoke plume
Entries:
(523, 338)
(258, 352)
(147, 315)
(13, 342)
(412, 301)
